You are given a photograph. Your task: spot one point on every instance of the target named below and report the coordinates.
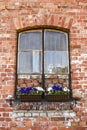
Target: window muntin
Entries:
(43, 56)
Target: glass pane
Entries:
(30, 41)
(36, 62)
(56, 62)
(29, 62)
(25, 62)
(56, 41)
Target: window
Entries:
(43, 58)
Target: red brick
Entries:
(79, 114)
(8, 119)
(44, 124)
(42, 119)
(13, 124)
(28, 124)
(20, 128)
(1, 118)
(36, 128)
(53, 123)
(82, 123)
(80, 128)
(5, 105)
(65, 128)
(5, 124)
(36, 124)
(58, 118)
(84, 118)
(5, 114)
(81, 1)
(2, 109)
(2, 128)
(8, 109)
(60, 123)
(70, 22)
(51, 128)
(75, 124)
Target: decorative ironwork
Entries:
(57, 98)
(30, 98)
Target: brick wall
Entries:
(18, 14)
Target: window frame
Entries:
(42, 27)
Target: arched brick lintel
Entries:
(48, 20)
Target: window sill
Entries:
(44, 106)
(34, 113)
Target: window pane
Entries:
(56, 62)
(55, 41)
(36, 62)
(30, 41)
(29, 62)
(25, 62)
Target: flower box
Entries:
(57, 98)
(30, 94)
(30, 98)
(57, 94)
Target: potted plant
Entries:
(57, 94)
(30, 93)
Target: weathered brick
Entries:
(42, 119)
(53, 123)
(75, 124)
(79, 113)
(2, 109)
(13, 124)
(65, 128)
(58, 118)
(51, 128)
(80, 128)
(20, 128)
(5, 124)
(2, 5)
(83, 123)
(84, 118)
(5, 114)
(28, 124)
(36, 128)
(3, 128)
(1, 118)
(60, 123)
(8, 119)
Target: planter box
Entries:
(57, 98)
(30, 98)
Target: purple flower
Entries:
(34, 89)
(22, 90)
(27, 90)
(60, 88)
(56, 87)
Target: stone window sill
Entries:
(58, 114)
(44, 106)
